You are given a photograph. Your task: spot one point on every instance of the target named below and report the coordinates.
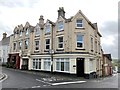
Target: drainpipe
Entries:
(51, 51)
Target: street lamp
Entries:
(51, 51)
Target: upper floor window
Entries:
(91, 43)
(79, 41)
(96, 46)
(47, 43)
(37, 32)
(14, 46)
(79, 23)
(26, 32)
(60, 25)
(47, 29)
(26, 44)
(20, 44)
(20, 33)
(36, 45)
(60, 42)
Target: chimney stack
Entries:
(4, 35)
(61, 12)
(41, 22)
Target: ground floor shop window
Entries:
(47, 64)
(62, 64)
(36, 63)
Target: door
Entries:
(80, 67)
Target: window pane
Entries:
(79, 21)
(60, 39)
(62, 66)
(47, 47)
(60, 46)
(57, 65)
(60, 25)
(47, 29)
(39, 65)
(79, 25)
(79, 38)
(79, 44)
(66, 66)
(47, 41)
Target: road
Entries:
(18, 79)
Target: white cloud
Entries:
(17, 12)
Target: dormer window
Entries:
(26, 44)
(20, 33)
(79, 23)
(37, 32)
(47, 29)
(20, 44)
(60, 26)
(26, 32)
(14, 46)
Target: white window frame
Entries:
(60, 42)
(26, 31)
(48, 62)
(47, 44)
(20, 33)
(26, 43)
(64, 60)
(37, 46)
(80, 41)
(79, 23)
(37, 31)
(59, 26)
(47, 29)
(37, 61)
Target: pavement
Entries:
(59, 77)
(52, 77)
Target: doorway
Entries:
(80, 67)
(25, 64)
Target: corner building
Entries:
(70, 45)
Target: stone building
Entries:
(70, 46)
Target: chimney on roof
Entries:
(4, 35)
(41, 21)
(61, 12)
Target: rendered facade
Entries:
(70, 46)
(4, 48)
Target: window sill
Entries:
(60, 30)
(37, 35)
(79, 28)
(36, 51)
(60, 49)
(47, 50)
(79, 49)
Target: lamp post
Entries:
(51, 53)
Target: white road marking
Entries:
(4, 78)
(35, 86)
(68, 82)
(43, 81)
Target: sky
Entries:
(104, 12)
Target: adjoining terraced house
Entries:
(68, 46)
